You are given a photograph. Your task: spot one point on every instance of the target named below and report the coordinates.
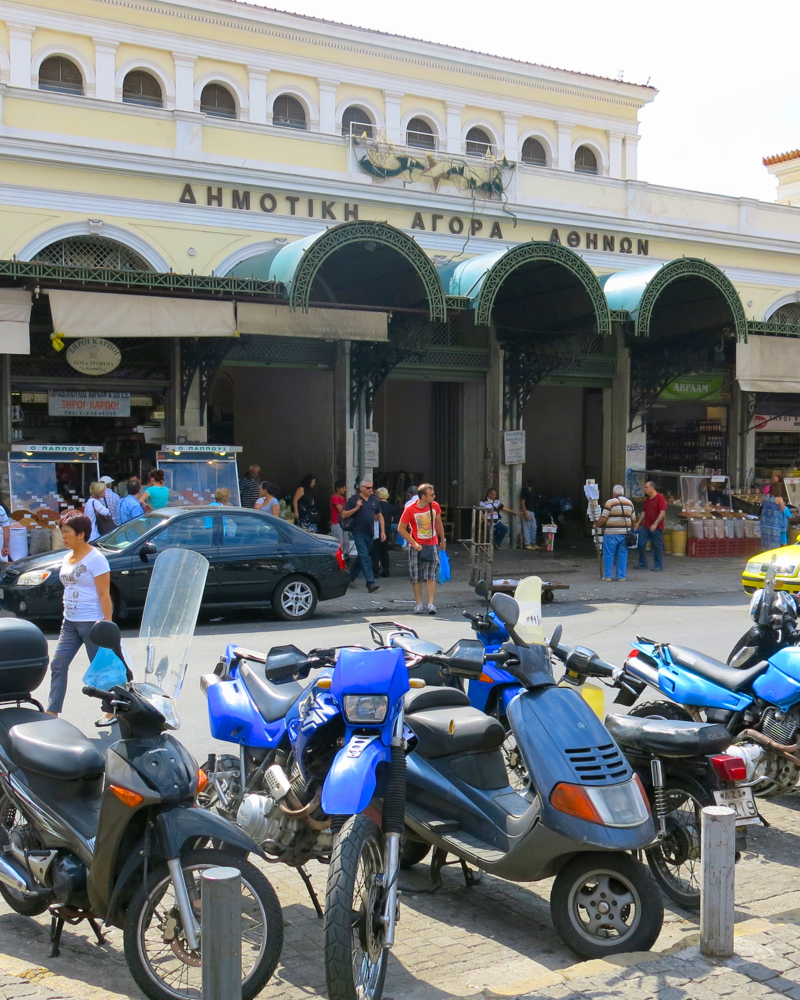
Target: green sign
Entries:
(705, 387)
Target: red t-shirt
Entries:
(652, 508)
(421, 522)
(337, 503)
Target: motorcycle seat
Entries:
(713, 670)
(272, 700)
(434, 697)
(55, 748)
(451, 730)
(668, 738)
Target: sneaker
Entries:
(431, 609)
(607, 579)
(373, 587)
(418, 609)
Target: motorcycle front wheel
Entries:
(156, 950)
(675, 860)
(605, 904)
(355, 959)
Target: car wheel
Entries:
(294, 599)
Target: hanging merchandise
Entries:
(549, 531)
(591, 491)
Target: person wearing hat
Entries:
(110, 498)
(380, 548)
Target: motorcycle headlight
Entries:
(366, 708)
(33, 577)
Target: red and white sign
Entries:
(777, 424)
(77, 403)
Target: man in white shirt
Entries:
(111, 499)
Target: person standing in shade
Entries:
(364, 508)
(111, 499)
(650, 527)
(527, 499)
(493, 504)
(616, 521)
(421, 526)
(304, 504)
(381, 565)
(129, 506)
(99, 515)
(249, 486)
(86, 578)
(267, 501)
(156, 494)
(338, 500)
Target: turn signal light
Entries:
(340, 558)
(729, 768)
(125, 795)
(202, 780)
(574, 801)
(486, 679)
(324, 683)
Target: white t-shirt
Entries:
(81, 603)
(5, 520)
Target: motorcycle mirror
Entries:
(506, 609)
(482, 588)
(769, 589)
(555, 639)
(107, 635)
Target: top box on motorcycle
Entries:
(23, 658)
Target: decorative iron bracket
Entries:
(201, 356)
(655, 365)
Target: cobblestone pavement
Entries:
(495, 939)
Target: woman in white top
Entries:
(266, 499)
(86, 578)
(94, 506)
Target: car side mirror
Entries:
(108, 636)
(148, 549)
(506, 609)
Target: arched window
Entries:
(533, 152)
(140, 87)
(218, 101)
(288, 112)
(790, 313)
(478, 143)
(356, 121)
(92, 251)
(60, 75)
(420, 134)
(585, 160)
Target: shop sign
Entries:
(706, 387)
(372, 458)
(514, 442)
(775, 424)
(76, 403)
(93, 355)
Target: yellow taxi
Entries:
(787, 559)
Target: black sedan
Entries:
(256, 561)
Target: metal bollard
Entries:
(718, 855)
(221, 943)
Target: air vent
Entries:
(594, 765)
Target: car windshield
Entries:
(131, 531)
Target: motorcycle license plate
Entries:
(742, 802)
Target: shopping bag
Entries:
(106, 670)
(443, 575)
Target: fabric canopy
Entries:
(324, 324)
(769, 364)
(97, 314)
(15, 321)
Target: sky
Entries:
(729, 86)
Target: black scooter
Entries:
(117, 838)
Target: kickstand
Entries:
(470, 877)
(56, 927)
(307, 883)
(60, 915)
(98, 933)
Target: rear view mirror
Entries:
(555, 639)
(282, 662)
(506, 609)
(108, 636)
(148, 549)
(482, 588)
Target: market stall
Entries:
(51, 476)
(193, 472)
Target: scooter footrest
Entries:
(466, 843)
(443, 825)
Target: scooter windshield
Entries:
(161, 652)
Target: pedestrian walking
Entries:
(111, 499)
(102, 523)
(362, 510)
(5, 524)
(267, 499)
(650, 527)
(493, 505)
(156, 494)
(773, 520)
(381, 564)
(85, 576)
(616, 521)
(129, 506)
(337, 502)
(421, 526)
(304, 504)
(786, 515)
(527, 500)
(250, 486)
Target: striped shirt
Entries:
(619, 513)
(248, 490)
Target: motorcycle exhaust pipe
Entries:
(16, 880)
(641, 671)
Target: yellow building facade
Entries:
(351, 252)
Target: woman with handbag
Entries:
(100, 517)
(618, 534)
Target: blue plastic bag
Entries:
(443, 575)
(106, 670)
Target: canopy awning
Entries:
(99, 314)
(769, 364)
(15, 320)
(322, 324)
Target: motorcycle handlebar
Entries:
(93, 692)
(585, 661)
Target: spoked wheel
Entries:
(675, 860)
(605, 904)
(156, 950)
(355, 960)
(12, 821)
(518, 776)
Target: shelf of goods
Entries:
(699, 442)
(728, 535)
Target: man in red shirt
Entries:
(421, 526)
(650, 527)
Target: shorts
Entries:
(420, 570)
